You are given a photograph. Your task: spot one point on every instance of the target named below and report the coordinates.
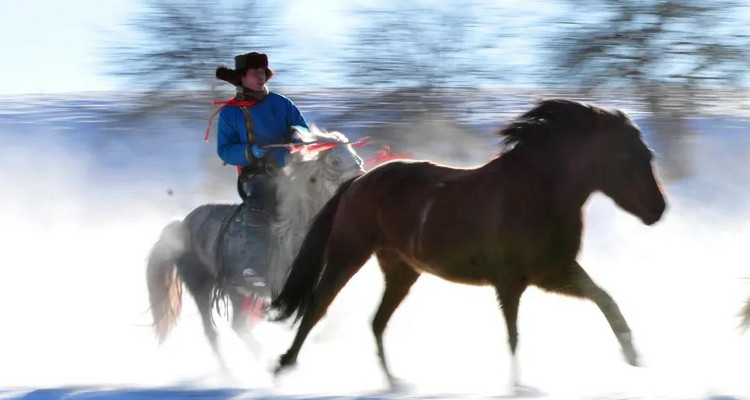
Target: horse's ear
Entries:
(621, 115)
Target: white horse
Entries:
(195, 250)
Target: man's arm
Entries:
(229, 144)
(294, 116)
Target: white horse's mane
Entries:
(303, 187)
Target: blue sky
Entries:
(52, 46)
(59, 46)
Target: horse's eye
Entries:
(335, 163)
(312, 179)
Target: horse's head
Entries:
(340, 163)
(319, 173)
(626, 174)
(588, 148)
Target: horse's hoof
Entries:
(631, 357)
(280, 369)
(285, 363)
(519, 390)
(399, 386)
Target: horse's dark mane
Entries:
(555, 116)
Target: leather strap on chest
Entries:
(250, 133)
(248, 125)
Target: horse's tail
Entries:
(303, 277)
(164, 284)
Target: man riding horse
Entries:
(251, 128)
(242, 253)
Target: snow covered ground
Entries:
(84, 196)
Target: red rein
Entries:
(316, 147)
(383, 155)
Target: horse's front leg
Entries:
(247, 311)
(576, 282)
(509, 293)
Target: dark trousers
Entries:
(257, 188)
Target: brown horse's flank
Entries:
(513, 222)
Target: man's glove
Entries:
(258, 152)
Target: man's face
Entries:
(254, 78)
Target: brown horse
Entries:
(513, 222)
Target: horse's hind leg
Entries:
(203, 301)
(576, 282)
(199, 283)
(344, 260)
(399, 277)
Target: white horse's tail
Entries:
(164, 283)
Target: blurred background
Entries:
(103, 108)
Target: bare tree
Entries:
(180, 43)
(655, 46)
(410, 44)
(417, 57)
(672, 54)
